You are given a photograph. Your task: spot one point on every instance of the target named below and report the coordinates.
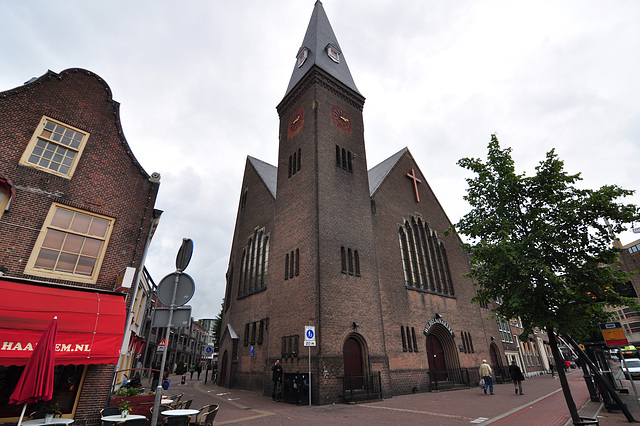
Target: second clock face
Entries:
(341, 118)
(295, 122)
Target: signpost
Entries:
(309, 340)
(613, 334)
(174, 290)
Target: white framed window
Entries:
(55, 147)
(71, 245)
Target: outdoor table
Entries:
(119, 418)
(183, 412)
(55, 421)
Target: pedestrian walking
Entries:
(199, 369)
(516, 376)
(192, 370)
(155, 377)
(553, 369)
(486, 374)
(277, 380)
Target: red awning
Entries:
(90, 324)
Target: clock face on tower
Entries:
(341, 118)
(295, 122)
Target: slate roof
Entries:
(267, 172)
(378, 173)
(319, 35)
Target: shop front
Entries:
(89, 337)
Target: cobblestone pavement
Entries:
(543, 403)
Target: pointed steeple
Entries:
(320, 47)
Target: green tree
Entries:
(217, 325)
(542, 245)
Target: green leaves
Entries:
(540, 244)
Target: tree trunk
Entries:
(562, 376)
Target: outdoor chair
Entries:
(201, 414)
(176, 398)
(208, 419)
(176, 421)
(187, 404)
(109, 411)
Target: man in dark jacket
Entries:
(516, 376)
(277, 380)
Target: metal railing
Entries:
(361, 387)
(448, 379)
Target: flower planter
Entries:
(140, 404)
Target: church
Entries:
(342, 270)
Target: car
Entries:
(631, 368)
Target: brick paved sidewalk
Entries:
(542, 404)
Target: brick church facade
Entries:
(359, 254)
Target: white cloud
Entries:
(198, 83)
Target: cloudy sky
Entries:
(198, 82)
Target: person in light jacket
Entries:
(486, 374)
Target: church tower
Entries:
(323, 208)
(358, 254)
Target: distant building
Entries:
(357, 253)
(629, 318)
(76, 210)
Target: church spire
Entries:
(320, 47)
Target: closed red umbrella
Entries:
(36, 381)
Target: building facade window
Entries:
(349, 261)
(409, 341)
(254, 264)
(292, 264)
(424, 258)
(295, 161)
(290, 347)
(344, 159)
(71, 245)
(55, 148)
(505, 330)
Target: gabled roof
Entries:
(320, 35)
(267, 172)
(378, 173)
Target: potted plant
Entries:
(125, 407)
(50, 408)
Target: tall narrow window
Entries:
(349, 164)
(350, 259)
(337, 156)
(413, 337)
(286, 267)
(261, 332)
(344, 159)
(356, 259)
(291, 265)
(299, 158)
(404, 339)
(254, 264)
(409, 340)
(297, 262)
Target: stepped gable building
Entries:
(357, 253)
(76, 218)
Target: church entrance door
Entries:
(435, 355)
(352, 354)
(222, 374)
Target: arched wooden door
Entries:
(222, 373)
(435, 355)
(352, 354)
(495, 361)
